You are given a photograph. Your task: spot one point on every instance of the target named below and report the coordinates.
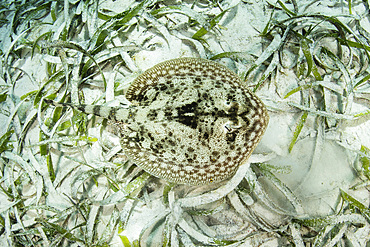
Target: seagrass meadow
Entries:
(184, 123)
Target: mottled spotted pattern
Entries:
(191, 121)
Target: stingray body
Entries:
(191, 121)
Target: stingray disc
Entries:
(192, 121)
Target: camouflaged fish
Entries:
(191, 121)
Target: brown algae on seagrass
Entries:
(191, 121)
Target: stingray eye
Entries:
(231, 107)
(231, 132)
(231, 136)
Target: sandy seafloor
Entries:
(319, 167)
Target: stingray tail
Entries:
(113, 113)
